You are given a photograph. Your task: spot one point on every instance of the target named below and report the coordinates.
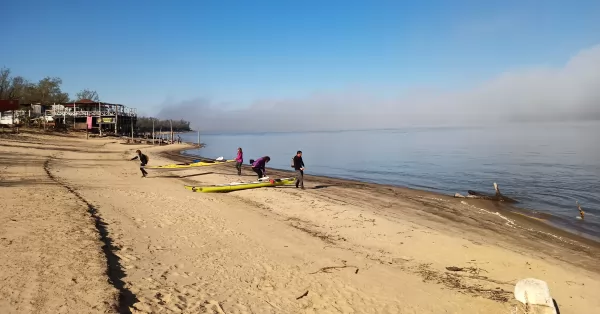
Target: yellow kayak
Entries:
(184, 166)
(240, 186)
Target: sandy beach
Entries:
(82, 232)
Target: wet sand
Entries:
(79, 226)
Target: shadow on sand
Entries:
(113, 264)
(323, 186)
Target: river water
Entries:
(546, 167)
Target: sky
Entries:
(309, 65)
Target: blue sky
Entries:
(151, 53)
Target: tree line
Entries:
(144, 124)
(48, 90)
(45, 91)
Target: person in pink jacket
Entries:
(239, 160)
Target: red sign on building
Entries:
(9, 104)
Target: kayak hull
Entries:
(223, 188)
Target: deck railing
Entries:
(69, 112)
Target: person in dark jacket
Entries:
(298, 165)
(259, 166)
(143, 162)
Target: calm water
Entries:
(544, 166)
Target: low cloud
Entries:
(569, 92)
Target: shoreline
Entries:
(543, 177)
(509, 211)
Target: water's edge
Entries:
(549, 220)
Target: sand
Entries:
(82, 232)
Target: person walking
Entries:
(143, 162)
(239, 160)
(259, 166)
(298, 165)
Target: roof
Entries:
(86, 102)
(9, 104)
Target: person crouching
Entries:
(259, 166)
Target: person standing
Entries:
(143, 162)
(298, 165)
(239, 160)
(259, 166)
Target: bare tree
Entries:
(21, 89)
(88, 94)
(4, 82)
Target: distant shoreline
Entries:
(515, 213)
(417, 127)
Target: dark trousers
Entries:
(144, 173)
(238, 166)
(300, 178)
(259, 172)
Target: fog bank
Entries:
(569, 92)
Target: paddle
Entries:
(535, 295)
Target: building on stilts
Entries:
(98, 117)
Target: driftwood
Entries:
(479, 195)
(581, 212)
(303, 295)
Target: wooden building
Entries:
(98, 117)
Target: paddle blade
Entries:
(536, 294)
